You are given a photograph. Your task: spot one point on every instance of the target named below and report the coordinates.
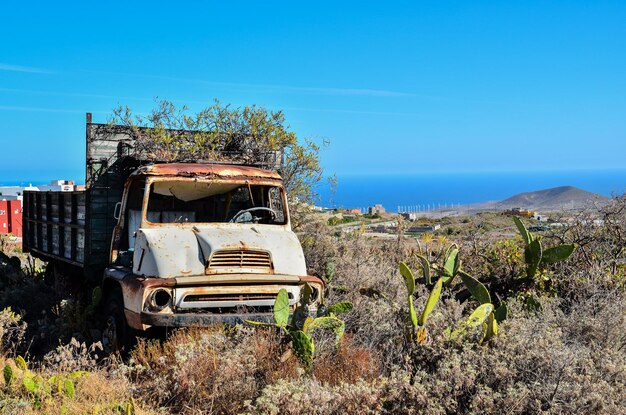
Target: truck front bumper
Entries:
(201, 319)
(197, 301)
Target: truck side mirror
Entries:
(118, 210)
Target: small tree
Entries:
(169, 133)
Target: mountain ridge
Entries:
(560, 197)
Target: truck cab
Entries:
(197, 244)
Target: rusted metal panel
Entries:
(199, 319)
(238, 279)
(209, 170)
(226, 296)
(203, 303)
(233, 260)
(182, 249)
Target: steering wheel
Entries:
(254, 209)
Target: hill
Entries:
(563, 197)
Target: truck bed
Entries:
(73, 227)
(54, 225)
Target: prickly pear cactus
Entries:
(534, 254)
(8, 375)
(558, 253)
(476, 288)
(21, 363)
(69, 388)
(409, 279)
(303, 347)
(501, 312)
(281, 308)
(433, 298)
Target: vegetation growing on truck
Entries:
(248, 135)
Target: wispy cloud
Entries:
(326, 90)
(182, 101)
(273, 87)
(301, 89)
(19, 68)
(72, 94)
(357, 112)
(39, 109)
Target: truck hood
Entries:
(177, 251)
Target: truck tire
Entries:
(117, 336)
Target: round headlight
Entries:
(160, 298)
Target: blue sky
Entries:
(397, 87)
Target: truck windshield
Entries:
(215, 202)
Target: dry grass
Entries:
(347, 364)
(212, 370)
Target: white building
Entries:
(58, 185)
(409, 215)
(376, 209)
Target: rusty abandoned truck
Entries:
(170, 244)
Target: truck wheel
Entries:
(117, 336)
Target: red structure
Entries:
(16, 217)
(4, 216)
(11, 217)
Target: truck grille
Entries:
(231, 297)
(240, 259)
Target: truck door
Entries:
(123, 241)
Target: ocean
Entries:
(421, 191)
